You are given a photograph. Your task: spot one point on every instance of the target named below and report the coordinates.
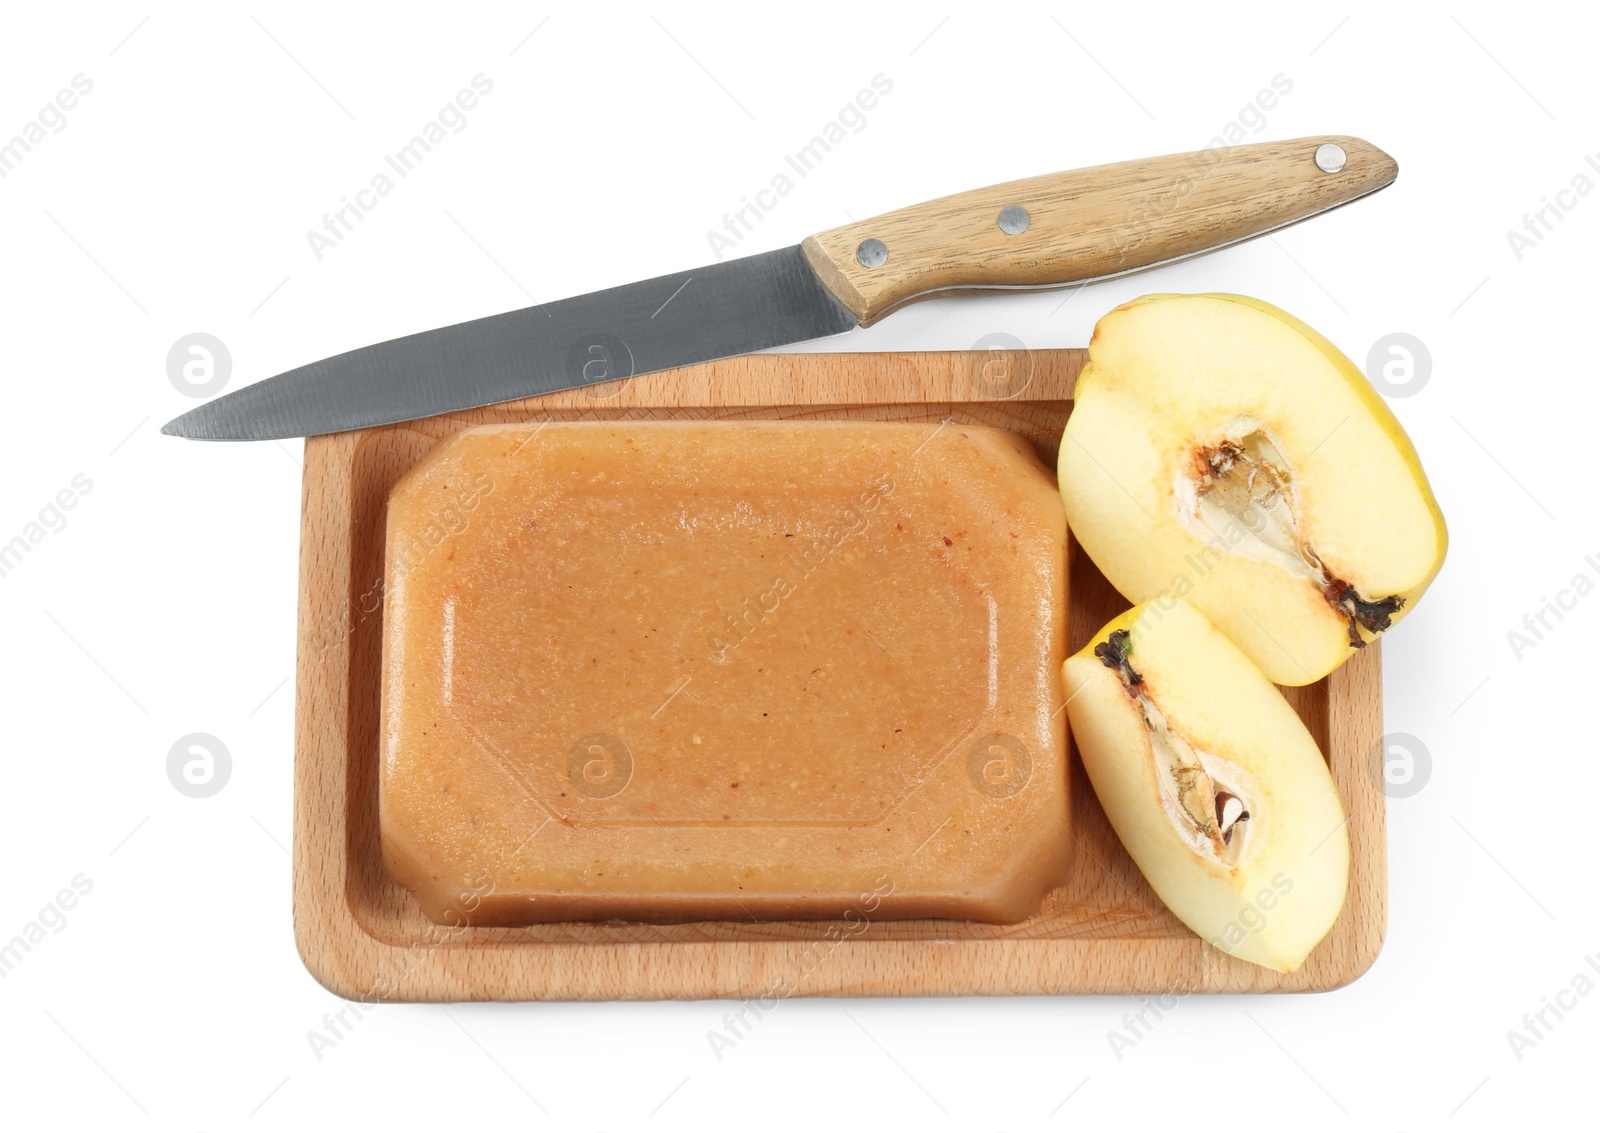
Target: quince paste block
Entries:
(671, 671)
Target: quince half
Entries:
(1221, 451)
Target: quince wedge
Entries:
(1212, 782)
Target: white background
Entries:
(177, 199)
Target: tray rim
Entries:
(341, 954)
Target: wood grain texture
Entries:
(1103, 931)
(1091, 223)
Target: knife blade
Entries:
(1046, 232)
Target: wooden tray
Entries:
(1104, 931)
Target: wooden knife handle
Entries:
(1086, 224)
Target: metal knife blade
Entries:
(1043, 232)
(735, 307)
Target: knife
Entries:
(1045, 232)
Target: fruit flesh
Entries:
(1224, 452)
(1212, 783)
(613, 601)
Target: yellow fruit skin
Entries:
(1282, 897)
(1285, 625)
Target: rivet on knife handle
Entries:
(1108, 220)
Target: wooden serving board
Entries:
(1102, 932)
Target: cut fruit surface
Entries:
(1222, 451)
(1211, 781)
